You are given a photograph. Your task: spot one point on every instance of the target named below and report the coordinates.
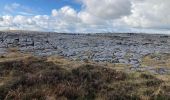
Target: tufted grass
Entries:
(25, 77)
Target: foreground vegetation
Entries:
(26, 77)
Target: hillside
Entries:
(25, 77)
(49, 66)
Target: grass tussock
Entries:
(26, 77)
(157, 60)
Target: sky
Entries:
(86, 16)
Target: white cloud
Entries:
(16, 8)
(11, 7)
(149, 14)
(97, 16)
(54, 12)
(6, 21)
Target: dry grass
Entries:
(25, 77)
(157, 60)
(13, 54)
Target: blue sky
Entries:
(41, 6)
(86, 15)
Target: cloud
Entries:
(25, 13)
(1, 19)
(107, 9)
(18, 9)
(54, 12)
(65, 13)
(95, 16)
(68, 19)
(149, 14)
(6, 21)
(11, 7)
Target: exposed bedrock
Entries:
(113, 48)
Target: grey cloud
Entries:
(107, 9)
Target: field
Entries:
(49, 66)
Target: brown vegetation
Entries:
(26, 77)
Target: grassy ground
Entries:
(157, 60)
(26, 77)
